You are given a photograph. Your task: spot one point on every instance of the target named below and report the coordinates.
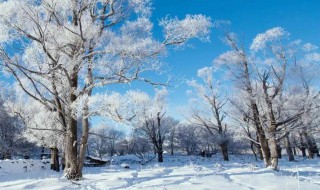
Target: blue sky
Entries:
(248, 17)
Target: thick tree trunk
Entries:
(224, 150)
(160, 156)
(54, 159)
(261, 134)
(256, 115)
(274, 153)
(264, 148)
(84, 139)
(71, 153)
(288, 148)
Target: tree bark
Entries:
(258, 147)
(274, 153)
(160, 156)
(54, 159)
(261, 134)
(253, 151)
(264, 147)
(294, 151)
(288, 148)
(63, 161)
(71, 153)
(224, 150)
(310, 153)
(84, 139)
(303, 151)
(279, 149)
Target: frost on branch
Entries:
(308, 47)
(205, 74)
(261, 40)
(179, 31)
(141, 7)
(312, 57)
(229, 57)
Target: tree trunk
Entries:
(253, 151)
(288, 148)
(279, 149)
(294, 151)
(7, 154)
(303, 151)
(54, 159)
(310, 153)
(71, 153)
(63, 161)
(274, 153)
(84, 139)
(260, 153)
(258, 147)
(261, 134)
(264, 148)
(171, 146)
(312, 146)
(224, 150)
(160, 156)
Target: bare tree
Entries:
(189, 138)
(208, 112)
(140, 146)
(103, 139)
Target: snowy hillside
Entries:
(177, 172)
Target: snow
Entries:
(177, 172)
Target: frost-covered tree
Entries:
(146, 114)
(103, 140)
(140, 146)
(207, 110)
(10, 129)
(152, 122)
(188, 138)
(261, 74)
(69, 47)
(172, 137)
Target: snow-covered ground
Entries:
(177, 172)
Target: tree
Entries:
(189, 138)
(172, 138)
(140, 146)
(103, 140)
(10, 133)
(12, 129)
(40, 125)
(208, 112)
(68, 48)
(151, 121)
(261, 76)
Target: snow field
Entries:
(176, 173)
